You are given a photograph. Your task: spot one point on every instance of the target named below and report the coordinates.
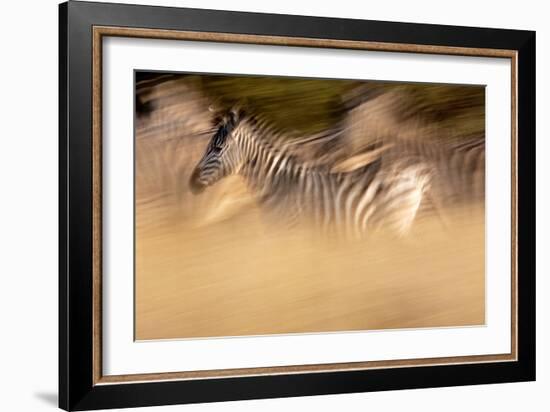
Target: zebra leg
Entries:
(401, 216)
(400, 203)
(434, 205)
(281, 218)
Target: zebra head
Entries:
(223, 155)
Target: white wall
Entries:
(28, 203)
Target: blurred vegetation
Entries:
(302, 105)
(453, 107)
(306, 106)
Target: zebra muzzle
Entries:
(195, 183)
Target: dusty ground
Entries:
(239, 278)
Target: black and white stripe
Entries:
(458, 167)
(349, 203)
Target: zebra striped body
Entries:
(458, 168)
(349, 203)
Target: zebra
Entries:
(458, 168)
(348, 203)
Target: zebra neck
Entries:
(266, 165)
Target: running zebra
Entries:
(348, 203)
(458, 168)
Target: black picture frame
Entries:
(77, 390)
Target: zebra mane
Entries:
(326, 147)
(279, 142)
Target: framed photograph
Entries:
(256, 206)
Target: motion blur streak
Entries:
(217, 262)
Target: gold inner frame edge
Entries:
(102, 31)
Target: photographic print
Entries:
(272, 205)
(257, 205)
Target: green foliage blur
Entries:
(308, 106)
(301, 105)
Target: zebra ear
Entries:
(216, 112)
(215, 106)
(237, 113)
